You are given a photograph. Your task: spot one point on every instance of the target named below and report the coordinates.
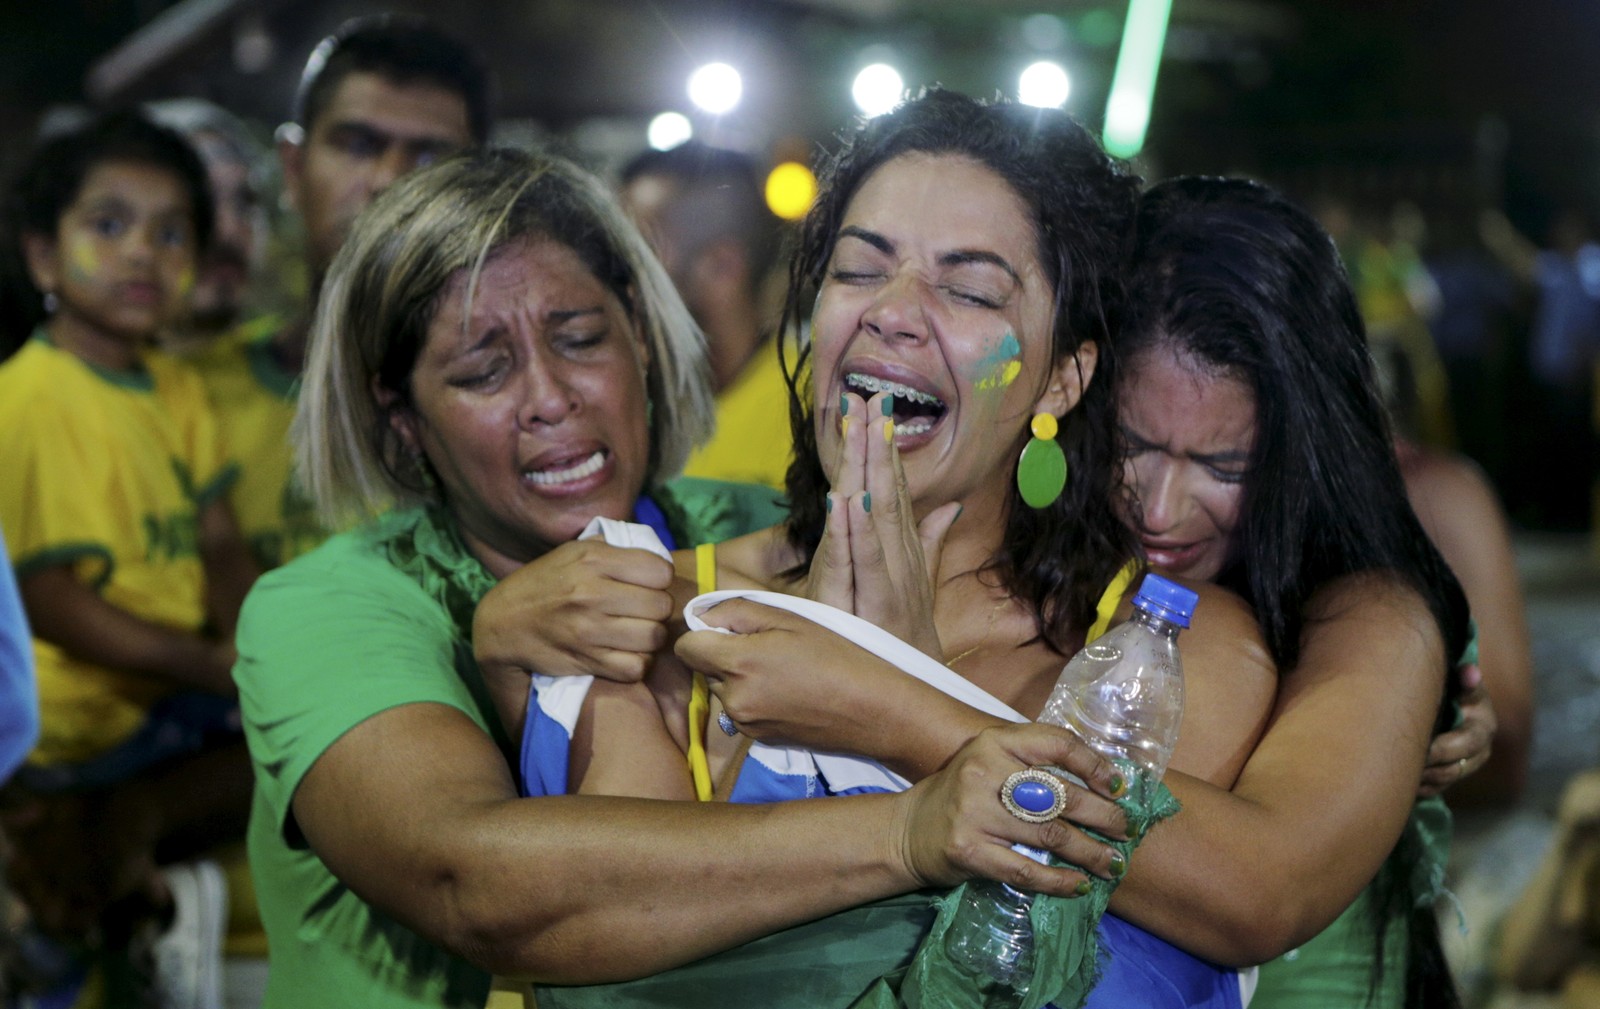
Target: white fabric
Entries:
(844, 772)
(561, 697)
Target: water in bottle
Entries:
(1123, 694)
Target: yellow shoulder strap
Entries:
(1106, 610)
(705, 576)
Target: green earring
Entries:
(1042, 470)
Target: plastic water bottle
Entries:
(1123, 694)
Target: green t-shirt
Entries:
(373, 619)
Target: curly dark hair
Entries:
(1081, 202)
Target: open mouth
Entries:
(915, 412)
(565, 471)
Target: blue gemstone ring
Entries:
(1034, 795)
(726, 724)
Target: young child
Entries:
(129, 563)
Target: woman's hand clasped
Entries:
(956, 827)
(584, 608)
(1455, 754)
(875, 559)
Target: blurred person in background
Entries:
(235, 163)
(1550, 939)
(379, 97)
(703, 211)
(1462, 515)
(131, 568)
(1559, 461)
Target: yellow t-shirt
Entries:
(752, 443)
(106, 472)
(254, 402)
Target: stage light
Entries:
(668, 130)
(877, 89)
(790, 189)
(716, 88)
(1133, 84)
(1044, 84)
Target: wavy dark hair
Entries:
(1081, 202)
(51, 180)
(1237, 280)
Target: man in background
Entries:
(380, 97)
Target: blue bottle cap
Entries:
(1166, 599)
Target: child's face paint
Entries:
(124, 259)
(83, 261)
(1001, 367)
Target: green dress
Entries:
(1335, 967)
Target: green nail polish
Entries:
(844, 404)
(1082, 889)
(829, 502)
(866, 502)
(1119, 865)
(888, 406)
(1118, 786)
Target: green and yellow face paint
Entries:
(997, 370)
(83, 259)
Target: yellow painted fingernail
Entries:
(1118, 786)
(1082, 889)
(888, 432)
(844, 426)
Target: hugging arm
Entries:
(1239, 877)
(414, 810)
(1289, 805)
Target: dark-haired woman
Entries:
(1259, 458)
(1363, 610)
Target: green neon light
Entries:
(1133, 85)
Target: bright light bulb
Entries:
(1045, 85)
(668, 130)
(716, 87)
(790, 189)
(877, 89)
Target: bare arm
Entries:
(414, 810)
(1238, 877)
(74, 617)
(1461, 515)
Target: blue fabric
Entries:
(647, 512)
(1140, 970)
(19, 694)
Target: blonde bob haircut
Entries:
(386, 284)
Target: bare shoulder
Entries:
(1230, 682)
(1372, 624)
(754, 561)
